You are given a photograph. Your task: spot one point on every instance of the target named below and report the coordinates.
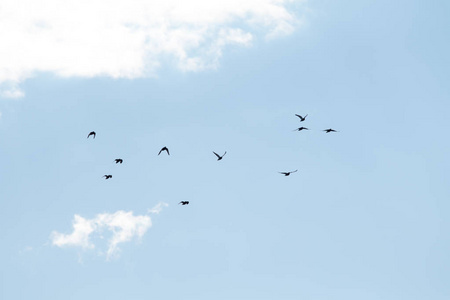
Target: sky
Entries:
(364, 217)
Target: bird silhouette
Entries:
(302, 118)
(218, 156)
(118, 160)
(184, 202)
(287, 173)
(329, 130)
(301, 128)
(164, 149)
(107, 176)
(91, 133)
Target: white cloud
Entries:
(82, 229)
(11, 91)
(124, 226)
(158, 208)
(128, 39)
(26, 250)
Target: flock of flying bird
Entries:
(219, 157)
(302, 119)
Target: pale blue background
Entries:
(365, 217)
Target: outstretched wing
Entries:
(218, 156)
(164, 149)
(224, 154)
(284, 173)
(293, 171)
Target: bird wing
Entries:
(305, 116)
(284, 173)
(293, 171)
(299, 116)
(160, 151)
(218, 156)
(167, 151)
(224, 154)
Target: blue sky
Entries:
(365, 217)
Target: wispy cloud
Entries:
(123, 226)
(26, 250)
(11, 91)
(129, 39)
(158, 208)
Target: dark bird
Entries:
(301, 128)
(302, 118)
(91, 133)
(329, 130)
(118, 160)
(218, 156)
(107, 176)
(164, 149)
(287, 173)
(184, 202)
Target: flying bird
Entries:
(107, 176)
(301, 128)
(118, 160)
(329, 130)
(287, 173)
(218, 156)
(91, 133)
(302, 118)
(164, 149)
(184, 202)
